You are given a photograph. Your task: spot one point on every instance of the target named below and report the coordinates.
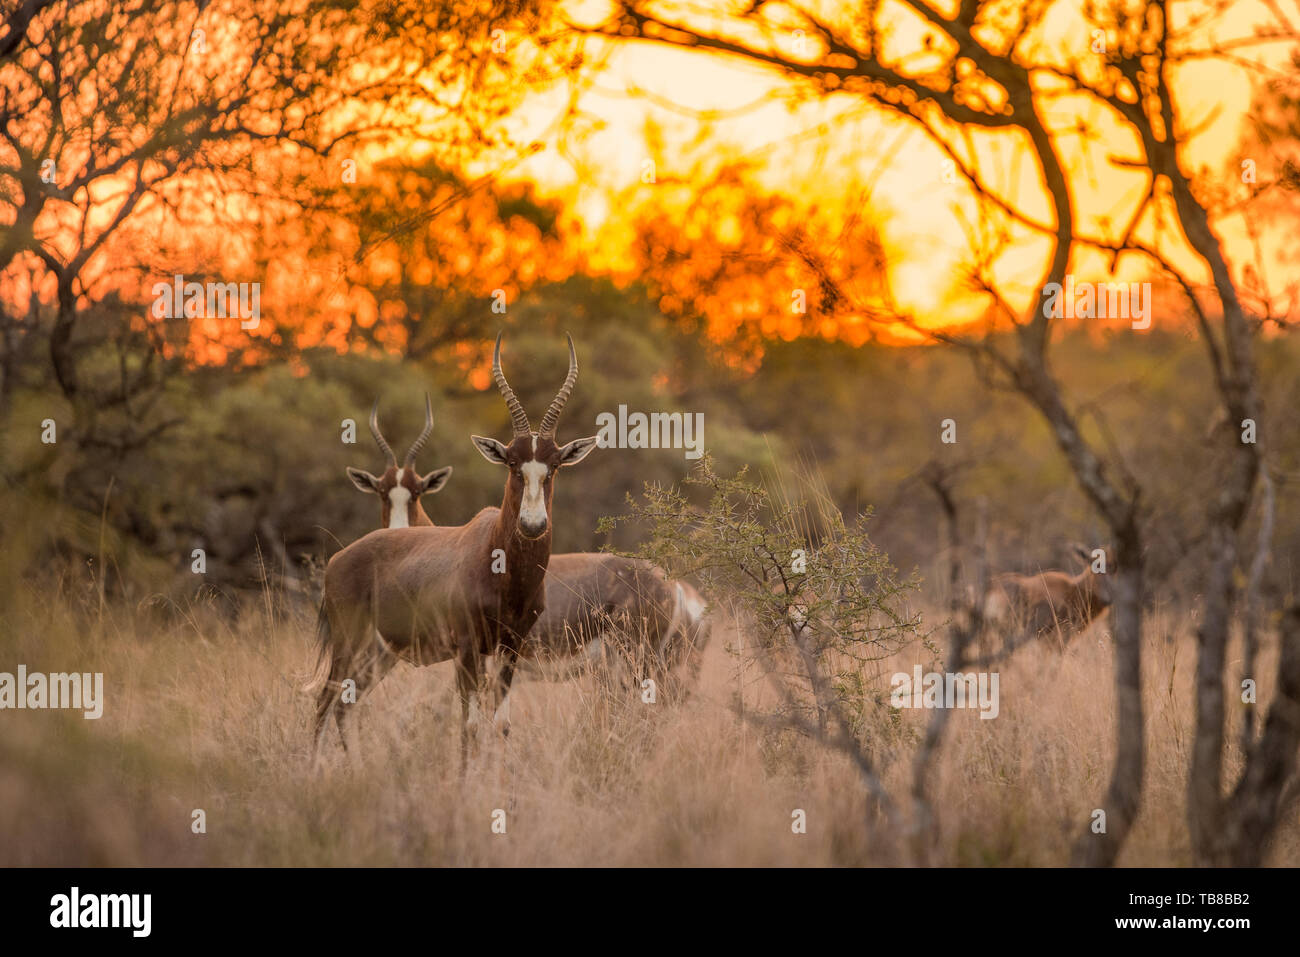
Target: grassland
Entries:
(205, 712)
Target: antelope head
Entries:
(533, 458)
(1092, 583)
(399, 487)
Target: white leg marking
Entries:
(502, 716)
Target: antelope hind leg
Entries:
(469, 665)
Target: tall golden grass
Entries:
(203, 713)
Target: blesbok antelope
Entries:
(610, 610)
(431, 593)
(399, 487)
(1050, 602)
(591, 597)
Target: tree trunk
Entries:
(1124, 795)
(1257, 800)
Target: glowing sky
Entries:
(821, 149)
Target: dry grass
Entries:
(202, 714)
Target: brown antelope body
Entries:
(1049, 603)
(594, 600)
(610, 610)
(437, 593)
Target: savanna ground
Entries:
(206, 712)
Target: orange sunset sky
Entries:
(583, 141)
(828, 151)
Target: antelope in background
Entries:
(590, 596)
(1051, 602)
(429, 594)
(608, 610)
(399, 488)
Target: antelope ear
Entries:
(490, 449)
(577, 450)
(363, 480)
(434, 481)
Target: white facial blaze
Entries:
(398, 498)
(532, 510)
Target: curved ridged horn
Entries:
(517, 414)
(424, 436)
(561, 397)
(379, 436)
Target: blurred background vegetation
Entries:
(385, 228)
(247, 462)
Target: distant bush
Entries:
(815, 594)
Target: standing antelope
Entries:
(589, 595)
(1049, 602)
(436, 593)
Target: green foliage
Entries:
(246, 461)
(810, 586)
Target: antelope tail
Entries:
(324, 653)
(676, 638)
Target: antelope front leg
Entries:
(501, 716)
